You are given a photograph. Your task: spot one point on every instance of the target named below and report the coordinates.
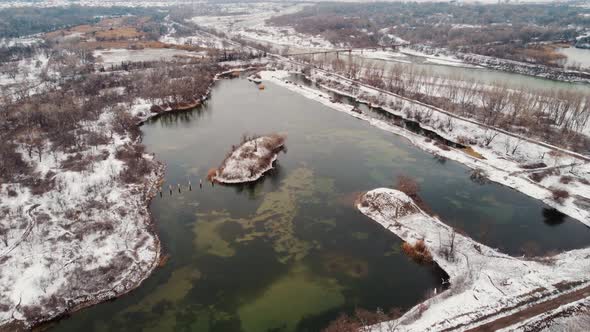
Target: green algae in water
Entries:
(378, 151)
(395, 250)
(208, 237)
(174, 290)
(273, 219)
(158, 310)
(360, 235)
(285, 302)
(345, 264)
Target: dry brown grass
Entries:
(211, 174)
(85, 28)
(543, 53)
(119, 33)
(469, 150)
(418, 252)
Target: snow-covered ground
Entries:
(199, 39)
(252, 26)
(250, 160)
(85, 239)
(500, 160)
(119, 55)
(20, 41)
(97, 3)
(571, 317)
(484, 283)
(25, 76)
(382, 55)
(439, 59)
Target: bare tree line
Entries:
(59, 118)
(556, 116)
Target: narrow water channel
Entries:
(290, 252)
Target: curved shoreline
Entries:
(499, 173)
(135, 276)
(479, 292)
(113, 293)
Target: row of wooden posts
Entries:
(179, 187)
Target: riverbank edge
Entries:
(504, 65)
(129, 284)
(497, 174)
(152, 188)
(462, 268)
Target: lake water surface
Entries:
(290, 252)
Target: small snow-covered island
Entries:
(249, 161)
(486, 286)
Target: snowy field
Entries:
(439, 59)
(25, 78)
(119, 55)
(87, 240)
(252, 26)
(97, 3)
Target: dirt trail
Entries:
(533, 311)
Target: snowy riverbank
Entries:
(484, 283)
(84, 233)
(449, 58)
(83, 236)
(499, 155)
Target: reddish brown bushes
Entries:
(418, 252)
(274, 141)
(361, 319)
(211, 174)
(408, 185)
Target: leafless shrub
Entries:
(533, 165)
(124, 123)
(77, 162)
(32, 312)
(274, 141)
(539, 176)
(479, 176)
(418, 312)
(463, 140)
(362, 319)
(343, 323)
(442, 146)
(95, 138)
(566, 179)
(39, 186)
(559, 195)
